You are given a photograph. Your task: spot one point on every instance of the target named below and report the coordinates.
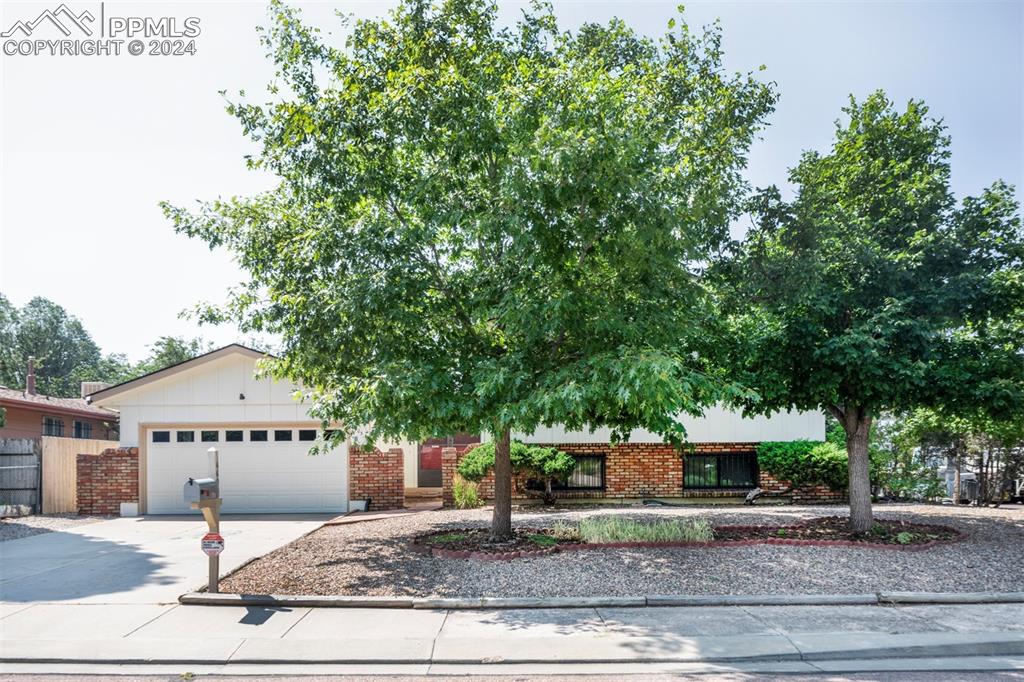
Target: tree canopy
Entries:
(66, 353)
(482, 227)
(873, 290)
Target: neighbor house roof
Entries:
(231, 349)
(12, 397)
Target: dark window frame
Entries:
(749, 456)
(307, 435)
(53, 426)
(160, 436)
(278, 433)
(185, 436)
(564, 486)
(265, 437)
(81, 429)
(206, 432)
(234, 436)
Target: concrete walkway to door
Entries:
(143, 560)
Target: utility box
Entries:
(200, 490)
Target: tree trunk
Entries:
(501, 521)
(857, 424)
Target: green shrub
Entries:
(805, 462)
(533, 461)
(465, 494)
(603, 529)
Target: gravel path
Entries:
(373, 558)
(27, 526)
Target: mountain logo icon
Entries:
(62, 17)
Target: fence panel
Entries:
(60, 477)
(19, 473)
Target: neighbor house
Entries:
(264, 434)
(28, 414)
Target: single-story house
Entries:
(263, 434)
(28, 414)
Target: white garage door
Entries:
(261, 470)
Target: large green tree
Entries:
(488, 228)
(874, 291)
(64, 351)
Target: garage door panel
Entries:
(274, 476)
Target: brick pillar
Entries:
(449, 461)
(377, 476)
(106, 480)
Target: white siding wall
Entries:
(718, 425)
(209, 393)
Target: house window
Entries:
(186, 436)
(307, 434)
(53, 426)
(233, 436)
(83, 429)
(210, 436)
(282, 434)
(161, 436)
(587, 475)
(721, 470)
(258, 436)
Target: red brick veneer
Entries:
(377, 476)
(106, 480)
(642, 470)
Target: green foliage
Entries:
(465, 494)
(872, 290)
(532, 461)
(602, 529)
(170, 350)
(542, 540)
(904, 538)
(481, 227)
(804, 462)
(445, 538)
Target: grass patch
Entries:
(603, 529)
(446, 538)
(542, 540)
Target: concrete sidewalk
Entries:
(252, 636)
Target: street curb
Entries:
(491, 603)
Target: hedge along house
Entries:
(171, 417)
(719, 461)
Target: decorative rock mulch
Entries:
(820, 532)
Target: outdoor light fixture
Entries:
(241, 396)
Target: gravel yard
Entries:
(374, 558)
(27, 526)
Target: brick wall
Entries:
(106, 480)
(816, 494)
(639, 470)
(377, 476)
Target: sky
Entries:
(90, 144)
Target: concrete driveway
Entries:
(143, 560)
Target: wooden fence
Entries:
(60, 456)
(19, 475)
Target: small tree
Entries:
(548, 465)
(483, 228)
(873, 291)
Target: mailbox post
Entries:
(204, 494)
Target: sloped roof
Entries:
(230, 349)
(18, 398)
